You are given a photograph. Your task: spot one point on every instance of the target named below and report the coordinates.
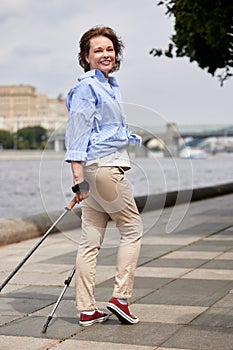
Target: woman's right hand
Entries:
(78, 177)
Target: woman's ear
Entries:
(86, 58)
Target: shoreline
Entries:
(30, 154)
(13, 154)
(14, 230)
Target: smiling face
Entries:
(101, 54)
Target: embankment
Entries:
(14, 230)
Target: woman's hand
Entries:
(78, 178)
(80, 196)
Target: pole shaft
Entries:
(67, 283)
(33, 249)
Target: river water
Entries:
(32, 186)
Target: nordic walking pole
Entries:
(67, 283)
(67, 209)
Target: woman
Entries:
(96, 140)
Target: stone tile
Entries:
(161, 272)
(105, 256)
(8, 264)
(189, 292)
(176, 314)
(216, 317)
(225, 256)
(54, 252)
(154, 334)
(10, 288)
(33, 278)
(210, 274)
(223, 236)
(6, 319)
(7, 251)
(103, 294)
(42, 292)
(176, 263)
(141, 283)
(205, 228)
(208, 246)
(67, 258)
(13, 260)
(107, 251)
(25, 343)
(70, 237)
(107, 260)
(17, 307)
(90, 345)
(20, 248)
(143, 260)
(172, 349)
(219, 264)
(156, 250)
(43, 268)
(66, 308)
(104, 273)
(3, 275)
(169, 239)
(192, 255)
(202, 338)
(226, 301)
(219, 212)
(60, 327)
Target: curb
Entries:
(169, 199)
(13, 230)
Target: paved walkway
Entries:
(183, 286)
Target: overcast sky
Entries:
(39, 44)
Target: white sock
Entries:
(122, 301)
(89, 312)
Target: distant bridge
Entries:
(170, 134)
(207, 132)
(182, 131)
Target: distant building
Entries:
(20, 107)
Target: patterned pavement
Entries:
(183, 291)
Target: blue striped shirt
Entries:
(96, 125)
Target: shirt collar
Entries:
(99, 75)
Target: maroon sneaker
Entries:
(88, 320)
(121, 311)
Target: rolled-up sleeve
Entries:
(81, 107)
(135, 139)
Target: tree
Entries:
(31, 137)
(6, 139)
(203, 32)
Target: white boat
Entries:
(192, 153)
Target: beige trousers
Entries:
(111, 197)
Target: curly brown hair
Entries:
(84, 45)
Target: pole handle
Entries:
(71, 204)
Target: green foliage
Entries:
(6, 139)
(203, 32)
(31, 138)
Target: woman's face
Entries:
(101, 54)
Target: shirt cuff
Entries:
(135, 139)
(75, 156)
